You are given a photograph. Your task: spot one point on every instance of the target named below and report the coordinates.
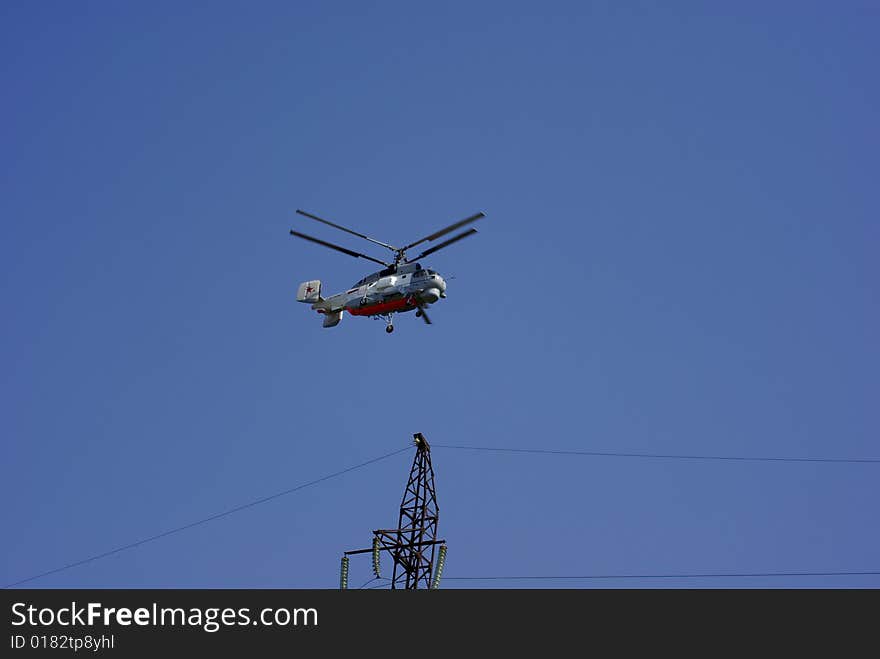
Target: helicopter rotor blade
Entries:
(451, 227)
(342, 228)
(445, 243)
(337, 248)
(424, 314)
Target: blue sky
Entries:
(678, 257)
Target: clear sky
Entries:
(679, 256)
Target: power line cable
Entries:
(204, 520)
(708, 575)
(659, 456)
(666, 576)
(383, 583)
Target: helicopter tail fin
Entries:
(309, 291)
(332, 318)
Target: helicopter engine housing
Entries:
(430, 295)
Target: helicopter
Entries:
(403, 285)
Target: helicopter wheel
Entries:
(389, 329)
(418, 313)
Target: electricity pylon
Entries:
(412, 544)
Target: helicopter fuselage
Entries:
(395, 289)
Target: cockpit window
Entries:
(368, 279)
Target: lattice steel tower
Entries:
(412, 544)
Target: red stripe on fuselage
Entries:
(401, 304)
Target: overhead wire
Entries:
(618, 454)
(707, 575)
(204, 520)
(385, 581)
(659, 456)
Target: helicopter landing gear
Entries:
(418, 313)
(390, 328)
(388, 319)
